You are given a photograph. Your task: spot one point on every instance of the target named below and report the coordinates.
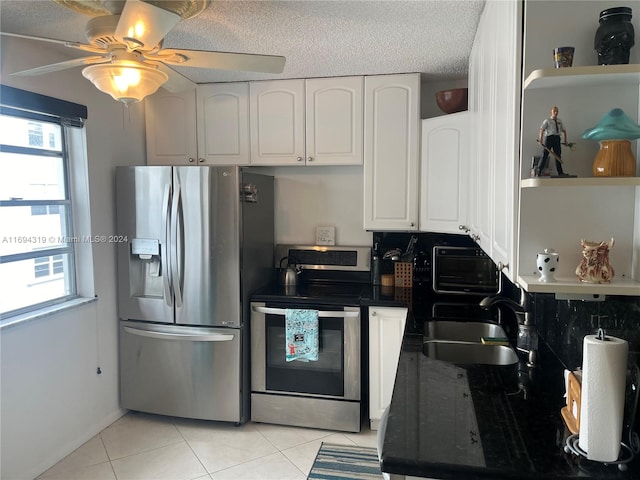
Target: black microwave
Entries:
(464, 271)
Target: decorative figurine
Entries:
(615, 36)
(547, 262)
(549, 137)
(614, 132)
(594, 266)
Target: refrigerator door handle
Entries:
(192, 337)
(165, 264)
(175, 244)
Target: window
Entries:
(46, 266)
(37, 251)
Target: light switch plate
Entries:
(325, 235)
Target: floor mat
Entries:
(335, 462)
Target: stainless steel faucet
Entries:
(527, 341)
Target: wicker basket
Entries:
(404, 274)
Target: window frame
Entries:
(71, 281)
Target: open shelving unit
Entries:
(598, 76)
(624, 286)
(583, 76)
(580, 182)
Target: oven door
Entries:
(336, 373)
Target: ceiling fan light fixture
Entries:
(126, 81)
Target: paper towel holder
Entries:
(629, 451)
(601, 335)
(626, 452)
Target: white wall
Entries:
(309, 197)
(52, 399)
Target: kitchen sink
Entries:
(469, 353)
(461, 331)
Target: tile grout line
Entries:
(113, 470)
(193, 451)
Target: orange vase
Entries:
(614, 159)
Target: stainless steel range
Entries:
(324, 392)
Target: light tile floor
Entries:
(141, 446)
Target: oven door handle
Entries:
(281, 311)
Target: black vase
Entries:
(615, 36)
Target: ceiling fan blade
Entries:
(222, 60)
(55, 67)
(143, 25)
(66, 43)
(177, 82)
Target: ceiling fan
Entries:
(128, 60)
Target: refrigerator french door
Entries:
(199, 241)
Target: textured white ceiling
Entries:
(318, 38)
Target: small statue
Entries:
(549, 137)
(615, 36)
(594, 266)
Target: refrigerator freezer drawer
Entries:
(189, 372)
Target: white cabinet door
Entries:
(480, 63)
(277, 122)
(494, 91)
(307, 122)
(334, 118)
(391, 152)
(223, 123)
(170, 121)
(444, 172)
(386, 329)
(506, 169)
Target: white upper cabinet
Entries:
(223, 123)
(444, 173)
(306, 122)
(391, 152)
(334, 119)
(494, 104)
(277, 122)
(170, 120)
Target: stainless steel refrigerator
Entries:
(199, 241)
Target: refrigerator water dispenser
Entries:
(145, 261)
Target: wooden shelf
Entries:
(605, 75)
(580, 182)
(619, 286)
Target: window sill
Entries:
(45, 312)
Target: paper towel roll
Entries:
(604, 366)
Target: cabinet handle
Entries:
(299, 159)
(464, 228)
(475, 237)
(373, 314)
(503, 266)
(191, 159)
(412, 224)
(201, 160)
(309, 159)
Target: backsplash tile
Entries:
(564, 323)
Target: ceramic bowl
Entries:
(452, 101)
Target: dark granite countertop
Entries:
(482, 422)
